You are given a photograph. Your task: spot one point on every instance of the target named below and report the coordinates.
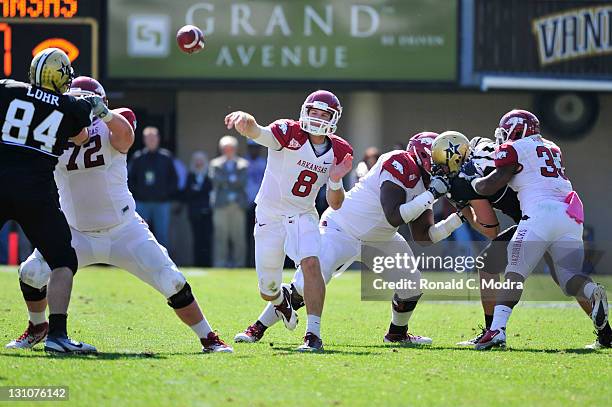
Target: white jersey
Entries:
(361, 214)
(92, 183)
(541, 173)
(294, 174)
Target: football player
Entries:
(92, 184)
(303, 155)
(482, 162)
(371, 214)
(552, 218)
(38, 121)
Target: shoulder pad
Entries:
(289, 133)
(402, 166)
(341, 147)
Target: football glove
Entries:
(98, 108)
(438, 186)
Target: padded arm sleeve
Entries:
(413, 209)
(266, 138)
(444, 228)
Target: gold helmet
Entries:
(449, 151)
(51, 69)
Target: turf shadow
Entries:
(94, 357)
(292, 350)
(578, 351)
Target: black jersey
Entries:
(482, 163)
(36, 124)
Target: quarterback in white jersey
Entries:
(552, 220)
(93, 191)
(303, 156)
(370, 215)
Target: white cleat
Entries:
(599, 302)
(63, 344)
(472, 342)
(407, 339)
(595, 345)
(33, 334)
(212, 343)
(251, 335)
(285, 311)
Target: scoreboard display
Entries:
(28, 26)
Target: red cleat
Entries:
(212, 343)
(32, 335)
(251, 335)
(492, 339)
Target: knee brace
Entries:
(405, 305)
(31, 293)
(181, 299)
(269, 287)
(34, 272)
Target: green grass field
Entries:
(148, 358)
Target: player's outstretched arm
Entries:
(414, 208)
(247, 126)
(122, 131)
(495, 181)
(335, 189)
(122, 134)
(425, 231)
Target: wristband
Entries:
(107, 117)
(334, 186)
(414, 208)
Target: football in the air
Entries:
(190, 39)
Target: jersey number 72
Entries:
(89, 161)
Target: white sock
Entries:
(37, 318)
(202, 329)
(400, 318)
(500, 317)
(588, 289)
(278, 300)
(268, 317)
(314, 325)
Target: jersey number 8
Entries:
(304, 183)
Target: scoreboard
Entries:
(28, 26)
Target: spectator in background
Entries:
(228, 173)
(370, 157)
(257, 166)
(181, 173)
(153, 181)
(197, 196)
